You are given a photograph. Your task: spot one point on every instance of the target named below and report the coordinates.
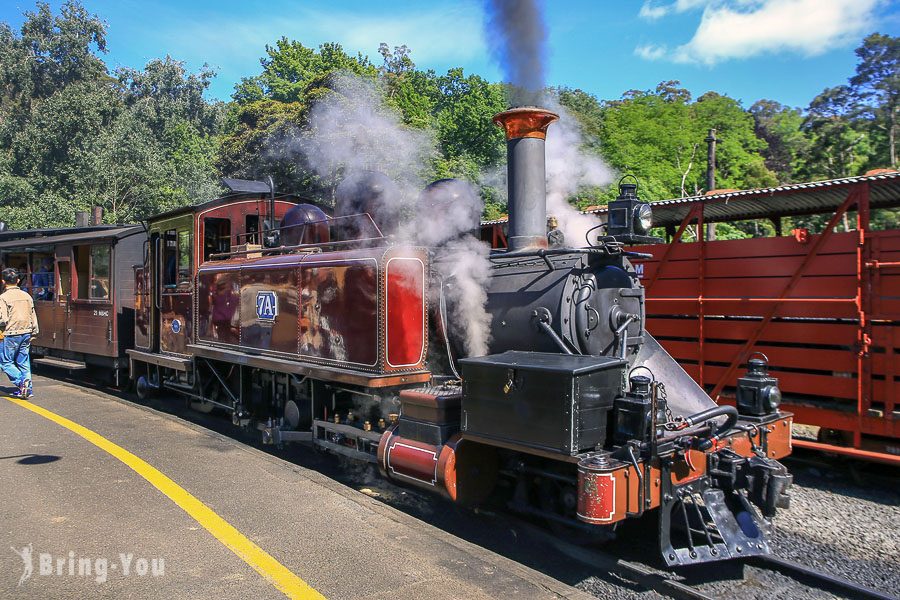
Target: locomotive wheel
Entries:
(143, 389)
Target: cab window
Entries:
(184, 258)
(170, 259)
(177, 259)
(216, 236)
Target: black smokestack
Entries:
(526, 131)
(517, 36)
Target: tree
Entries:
(781, 127)
(258, 141)
(659, 136)
(164, 92)
(876, 85)
(290, 68)
(61, 48)
(72, 136)
(839, 147)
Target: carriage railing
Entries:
(310, 247)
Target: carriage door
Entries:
(154, 269)
(174, 273)
(63, 302)
(143, 316)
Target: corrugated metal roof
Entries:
(793, 199)
(81, 236)
(784, 200)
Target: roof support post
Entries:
(701, 285)
(864, 306)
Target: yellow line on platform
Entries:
(276, 573)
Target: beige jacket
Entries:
(17, 314)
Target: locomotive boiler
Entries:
(336, 332)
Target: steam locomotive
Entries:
(332, 331)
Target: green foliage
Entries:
(271, 110)
(258, 139)
(290, 68)
(839, 145)
(72, 136)
(139, 141)
(786, 144)
(876, 90)
(659, 136)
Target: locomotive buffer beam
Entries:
(346, 440)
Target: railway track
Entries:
(669, 584)
(817, 579)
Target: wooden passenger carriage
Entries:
(83, 289)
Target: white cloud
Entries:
(738, 29)
(652, 11)
(650, 51)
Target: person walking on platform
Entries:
(19, 324)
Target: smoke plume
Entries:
(569, 169)
(350, 134)
(517, 39)
(517, 34)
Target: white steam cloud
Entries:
(569, 169)
(351, 132)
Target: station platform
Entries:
(104, 498)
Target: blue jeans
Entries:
(14, 359)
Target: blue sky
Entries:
(785, 50)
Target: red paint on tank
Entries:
(405, 311)
(596, 491)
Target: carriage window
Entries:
(19, 262)
(42, 287)
(184, 257)
(100, 283)
(65, 278)
(82, 270)
(216, 236)
(170, 259)
(92, 271)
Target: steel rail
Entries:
(643, 575)
(817, 579)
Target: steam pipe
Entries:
(545, 327)
(716, 411)
(526, 132)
